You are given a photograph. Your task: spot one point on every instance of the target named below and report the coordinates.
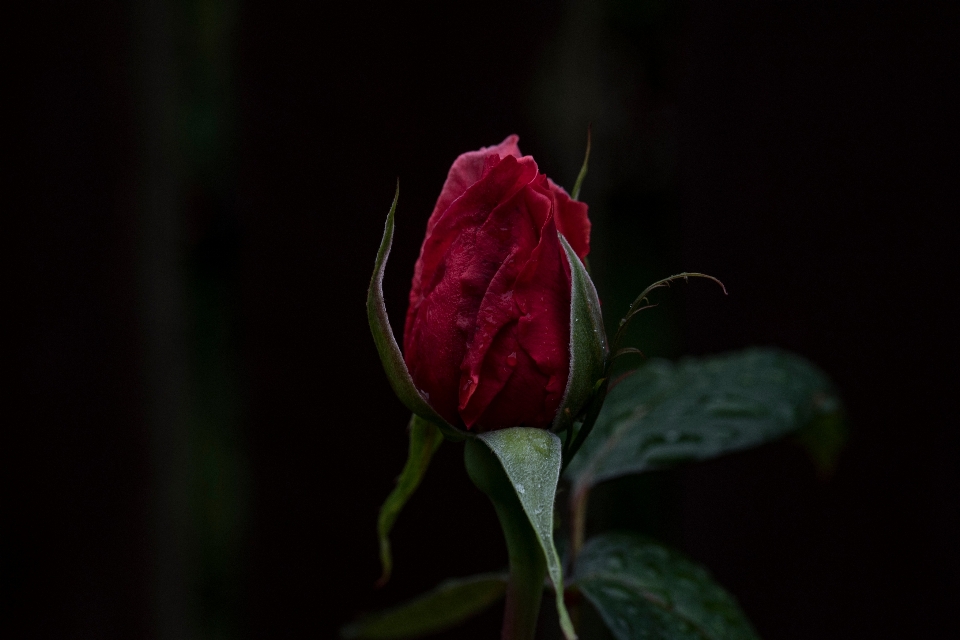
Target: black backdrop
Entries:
(810, 164)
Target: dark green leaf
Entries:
(448, 605)
(644, 590)
(531, 459)
(424, 440)
(387, 347)
(588, 342)
(665, 414)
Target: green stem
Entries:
(528, 567)
(578, 520)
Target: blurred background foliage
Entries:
(208, 432)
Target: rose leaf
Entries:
(644, 590)
(447, 605)
(665, 414)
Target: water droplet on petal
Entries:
(512, 359)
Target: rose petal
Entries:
(508, 238)
(487, 331)
(502, 179)
(520, 401)
(542, 292)
(572, 221)
(441, 314)
(466, 171)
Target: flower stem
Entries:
(528, 566)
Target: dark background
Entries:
(202, 432)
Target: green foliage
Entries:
(387, 347)
(644, 590)
(588, 343)
(425, 438)
(665, 413)
(531, 460)
(449, 604)
(662, 415)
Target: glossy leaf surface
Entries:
(531, 460)
(425, 438)
(449, 604)
(666, 413)
(387, 347)
(644, 590)
(588, 342)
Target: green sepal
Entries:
(531, 460)
(644, 590)
(665, 414)
(447, 605)
(575, 194)
(387, 347)
(425, 439)
(588, 343)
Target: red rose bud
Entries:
(487, 336)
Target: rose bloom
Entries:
(487, 334)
